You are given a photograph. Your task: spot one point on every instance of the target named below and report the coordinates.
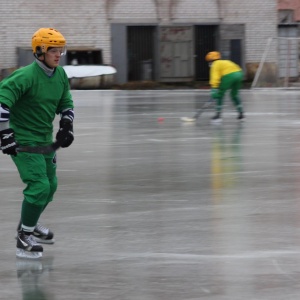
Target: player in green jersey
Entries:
(30, 98)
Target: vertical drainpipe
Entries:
(107, 10)
(156, 3)
(220, 11)
(220, 15)
(170, 10)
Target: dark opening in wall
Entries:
(84, 57)
(140, 45)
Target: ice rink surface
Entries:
(149, 210)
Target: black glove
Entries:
(8, 142)
(65, 136)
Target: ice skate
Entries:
(27, 247)
(241, 117)
(216, 119)
(43, 235)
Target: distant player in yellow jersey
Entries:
(224, 75)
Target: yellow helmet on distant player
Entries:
(46, 38)
(211, 56)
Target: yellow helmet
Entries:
(45, 38)
(211, 56)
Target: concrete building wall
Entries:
(88, 23)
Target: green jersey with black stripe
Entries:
(34, 99)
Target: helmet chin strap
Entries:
(37, 56)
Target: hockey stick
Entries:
(40, 149)
(206, 105)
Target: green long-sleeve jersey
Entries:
(34, 99)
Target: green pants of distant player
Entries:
(38, 172)
(232, 82)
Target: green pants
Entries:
(38, 173)
(232, 82)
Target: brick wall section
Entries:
(260, 19)
(293, 5)
(87, 23)
(83, 23)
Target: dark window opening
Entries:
(140, 52)
(205, 41)
(84, 57)
(236, 51)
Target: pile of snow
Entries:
(82, 71)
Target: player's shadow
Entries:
(33, 277)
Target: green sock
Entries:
(30, 213)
